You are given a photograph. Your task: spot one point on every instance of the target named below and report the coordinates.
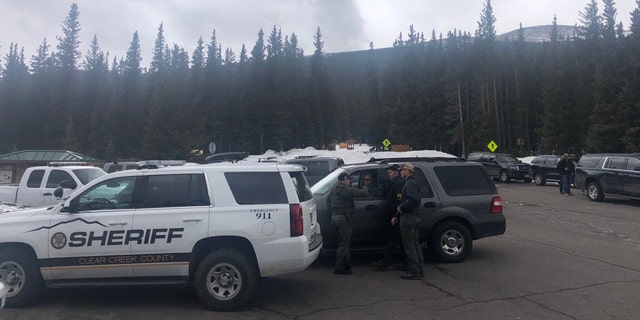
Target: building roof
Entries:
(47, 155)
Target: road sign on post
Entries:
(492, 146)
(386, 144)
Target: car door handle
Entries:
(47, 194)
(429, 204)
(192, 219)
(118, 223)
(371, 207)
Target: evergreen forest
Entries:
(455, 93)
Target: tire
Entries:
(538, 179)
(451, 242)
(21, 276)
(504, 176)
(594, 191)
(226, 280)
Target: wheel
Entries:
(504, 176)
(226, 279)
(21, 276)
(538, 179)
(594, 191)
(451, 242)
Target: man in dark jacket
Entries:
(410, 221)
(342, 195)
(565, 170)
(394, 194)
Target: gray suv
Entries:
(459, 204)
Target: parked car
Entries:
(502, 166)
(220, 227)
(459, 204)
(38, 183)
(609, 174)
(544, 169)
(317, 167)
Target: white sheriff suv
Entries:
(220, 227)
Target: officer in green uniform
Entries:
(342, 196)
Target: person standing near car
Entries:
(342, 195)
(394, 194)
(565, 170)
(407, 213)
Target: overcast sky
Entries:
(346, 25)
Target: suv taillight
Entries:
(297, 225)
(496, 205)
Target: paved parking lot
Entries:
(561, 258)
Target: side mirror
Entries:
(59, 191)
(68, 184)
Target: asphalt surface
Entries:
(562, 257)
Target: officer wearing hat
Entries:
(342, 195)
(394, 196)
(408, 214)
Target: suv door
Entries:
(631, 178)
(177, 205)
(90, 238)
(371, 220)
(613, 174)
(491, 163)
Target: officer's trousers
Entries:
(409, 226)
(344, 230)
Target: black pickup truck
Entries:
(615, 174)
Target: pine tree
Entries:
(158, 60)
(68, 46)
(131, 65)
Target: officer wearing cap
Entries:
(407, 213)
(394, 195)
(342, 195)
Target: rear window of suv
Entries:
(464, 181)
(257, 187)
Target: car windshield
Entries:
(88, 174)
(506, 158)
(326, 183)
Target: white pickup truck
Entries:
(38, 183)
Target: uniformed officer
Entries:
(394, 195)
(342, 196)
(410, 221)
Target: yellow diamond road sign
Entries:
(386, 142)
(492, 146)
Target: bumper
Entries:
(287, 255)
(491, 225)
(520, 175)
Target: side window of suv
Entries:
(617, 163)
(175, 190)
(425, 187)
(463, 180)
(633, 164)
(257, 187)
(108, 195)
(588, 161)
